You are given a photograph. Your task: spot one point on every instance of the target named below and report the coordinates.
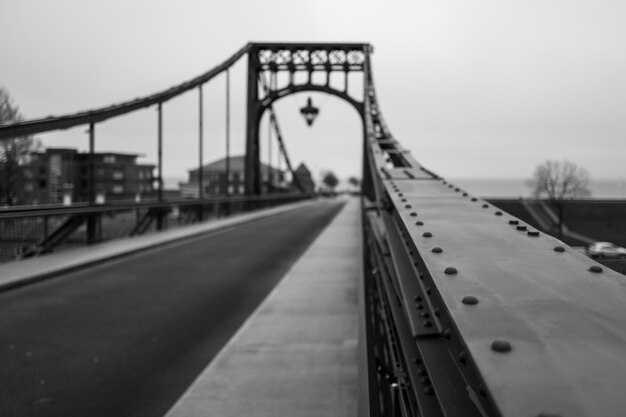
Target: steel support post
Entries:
(92, 220)
(160, 163)
(200, 154)
(252, 169)
(227, 191)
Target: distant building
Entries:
(214, 179)
(60, 175)
(303, 175)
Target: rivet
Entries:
(427, 323)
(474, 199)
(425, 380)
(447, 334)
(457, 190)
(419, 307)
(485, 205)
(464, 194)
(445, 182)
(407, 206)
(463, 357)
(559, 249)
(401, 195)
(450, 186)
(450, 270)
(533, 233)
(428, 291)
(501, 346)
(403, 200)
(437, 249)
(470, 300)
(595, 268)
(429, 391)
(548, 415)
(481, 390)
(417, 298)
(413, 214)
(424, 315)
(437, 312)
(419, 223)
(521, 228)
(422, 372)
(427, 234)
(513, 222)
(498, 213)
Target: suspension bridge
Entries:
(416, 299)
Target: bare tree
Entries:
(13, 152)
(559, 181)
(330, 180)
(354, 181)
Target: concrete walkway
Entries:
(296, 355)
(22, 272)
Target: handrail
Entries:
(31, 127)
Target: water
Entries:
(516, 188)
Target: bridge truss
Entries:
(466, 310)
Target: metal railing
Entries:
(36, 230)
(469, 311)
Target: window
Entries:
(118, 175)
(118, 189)
(42, 184)
(241, 190)
(28, 186)
(108, 159)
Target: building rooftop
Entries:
(237, 163)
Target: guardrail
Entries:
(35, 230)
(469, 311)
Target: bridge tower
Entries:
(268, 59)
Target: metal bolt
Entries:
(595, 268)
(413, 214)
(485, 205)
(513, 222)
(559, 249)
(447, 333)
(464, 194)
(417, 298)
(533, 233)
(429, 391)
(548, 415)
(403, 200)
(474, 199)
(450, 186)
(521, 228)
(437, 249)
(437, 312)
(425, 380)
(501, 346)
(427, 234)
(424, 315)
(445, 182)
(427, 323)
(401, 195)
(498, 213)
(419, 223)
(422, 372)
(463, 357)
(457, 190)
(419, 307)
(407, 206)
(450, 270)
(428, 291)
(470, 300)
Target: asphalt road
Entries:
(127, 337)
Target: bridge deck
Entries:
(297, 354)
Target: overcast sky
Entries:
(481, 88)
